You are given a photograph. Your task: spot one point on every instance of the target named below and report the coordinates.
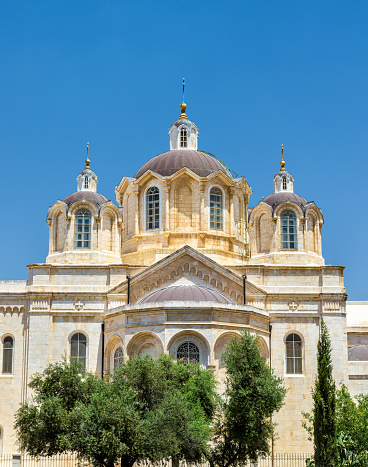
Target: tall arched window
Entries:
(183, 138)
(288, 231)
(86, 182)
(216, 211)
(118, 357)
(153, 208)
(8, 350)
(78, 349)
(284, 183)
(82, 230)
(294, 355)
(188, 353)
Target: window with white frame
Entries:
(8, 355)
(86, 182)
(78, 349)
(216, 209)
(188, 353)
(284, 183)
(152, 208)
(118, 357)
(294, 355)
(289, 239)
(82, 229)
(183, 138)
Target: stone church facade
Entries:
(179, 265)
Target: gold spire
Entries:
(87, 160)
(282, 163)
(183, 106)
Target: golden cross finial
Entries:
(282, 163)
(87, 160)
(183, 106)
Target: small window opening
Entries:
(86, 182)
(8, 348)
(188, 353)
(78, 350)
(284, 183)
(118, 357)
(183, 138)
(294, 355)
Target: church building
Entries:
(180, 264)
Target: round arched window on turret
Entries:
(82, 230)
(216, 205)
(153, 208)
(284, 183)
(289, 239)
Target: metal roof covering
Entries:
(91, 196)
(170, 162)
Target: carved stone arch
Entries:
(263, 230)
(220, 344)
(263, 347)
(196, 338)
(75, 207)
(288, 206)
(144, 343)
(113, 343)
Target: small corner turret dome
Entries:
(186, 293)
(91, 196)
(170, 162)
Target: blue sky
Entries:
(258, 74)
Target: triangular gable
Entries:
(193, 265)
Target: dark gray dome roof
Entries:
(276, 199)
(358, 353)
(170, 162)
(186, 293)
(95, 198)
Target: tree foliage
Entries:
(148, 409)
(243, 426)
(324, 402)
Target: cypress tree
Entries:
(324, 397)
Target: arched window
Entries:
(183, 138)
(284, 183)
(86, 182)
(118, 357)
(294, 355)
(188, 353)
(8, 350)
(153, 208)
(82, 237)
(216, 212)
(288, 231)
(78, 349)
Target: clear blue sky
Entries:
(258, 74)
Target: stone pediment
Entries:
(187, 264)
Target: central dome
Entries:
(170, 162)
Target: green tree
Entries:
(324, 405)
(243, 426)
(148, 409)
